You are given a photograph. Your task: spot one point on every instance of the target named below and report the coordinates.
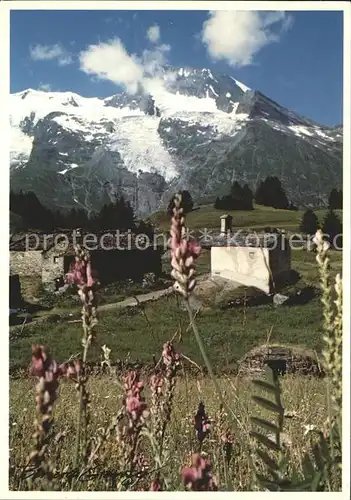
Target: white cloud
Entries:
(152, 61)
(153, 33)
(50, 52)
(237, 36)
(111, 61)
(46, 87)
(287, 23)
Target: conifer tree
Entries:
(309, 222)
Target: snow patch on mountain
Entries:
(325, 136)
(170, 104)
(71, 167)
(183, 72)
(298, 130)
(129, 131)
(243, 87)
(137, 141)
(221, 123)
(38, 104)
(21, 147)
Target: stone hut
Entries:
(250, 259)
(114, 256)
(281, 359)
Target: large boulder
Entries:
(217, 292)
(214, 291)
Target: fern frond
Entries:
(268, 443)
(268, 447)
(267, 386)
(268, 405)
(269, 461)
(268, 426)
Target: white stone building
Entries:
(258, 260)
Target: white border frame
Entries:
(5, 8)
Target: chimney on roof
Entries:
(226, 224)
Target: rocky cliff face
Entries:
(197, 131)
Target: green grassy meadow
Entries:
(138, 333)
(303, 399)
(206, 216)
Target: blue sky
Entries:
(295, 58)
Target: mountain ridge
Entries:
(196, 130)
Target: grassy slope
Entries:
(228, 334)
(303, 396)
(206, 216)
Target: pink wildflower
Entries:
(156, 384)
(169, 355)
(48, 372)
(72, 370)
(155, 485)
(199, 476)
(134, 401)
(81, 273)
(42, 364)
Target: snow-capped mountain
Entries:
(192, 129)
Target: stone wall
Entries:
(280, 260)
(53, 268)
(15, 291)
(26, 263)
(110, 265)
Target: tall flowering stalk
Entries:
(81, 275)
(162, 385)
(224, 435)
(183, 255)
(171, 362)
(336, 372)
(130, 424)
(332, 353)
(47, 371)
(183, 252)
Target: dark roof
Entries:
(91, 241)
(256, 240)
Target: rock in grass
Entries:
(279, 299)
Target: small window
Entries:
(56, 259)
